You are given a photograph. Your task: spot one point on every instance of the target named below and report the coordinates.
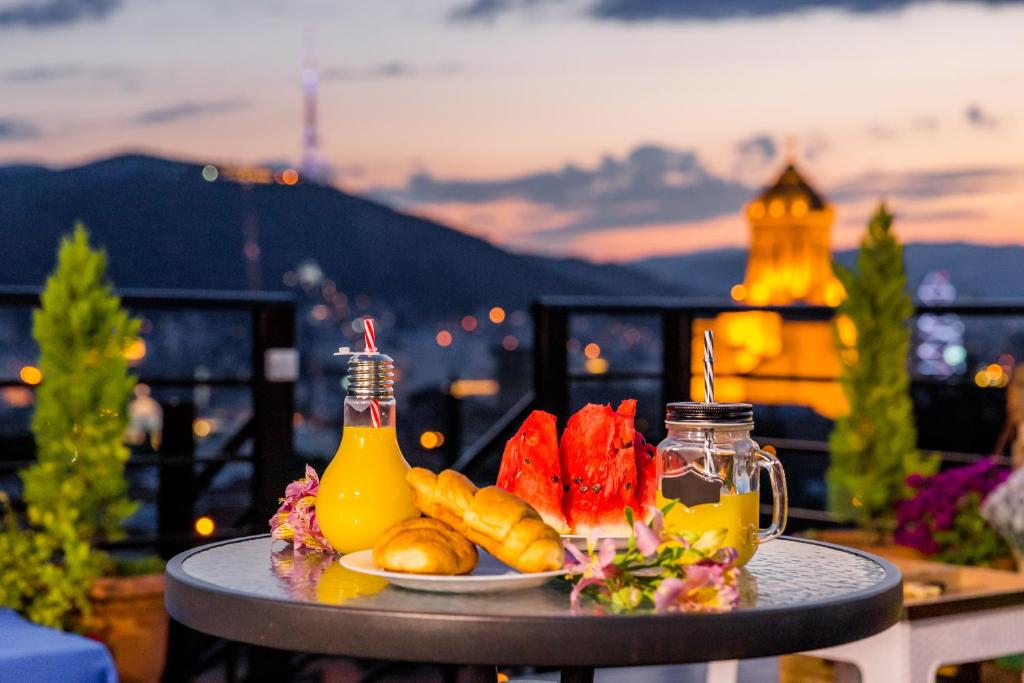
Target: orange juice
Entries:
(363, 491)
(338, 585)
(737, 513)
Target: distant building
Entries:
(790, 246)
(790, 263)
(312, 167)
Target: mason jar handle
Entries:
(780, 499)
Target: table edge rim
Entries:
(893, 579)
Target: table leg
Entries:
(577, 674)
(479, 674)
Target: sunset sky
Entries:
(611, 129)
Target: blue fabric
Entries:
(30, 653)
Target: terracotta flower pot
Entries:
(129, 617)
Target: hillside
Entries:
(164, 226)
(977, 271)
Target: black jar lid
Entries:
(722, 413)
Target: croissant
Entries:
(498, 521)
(424, 546)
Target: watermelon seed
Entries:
(629, 485)
(566, 488)
(555, 478)
(526, 461)
(596, 488)
(627, 444)
(584, 489)
(577, 480)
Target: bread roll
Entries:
(424, 546)
(497, 520)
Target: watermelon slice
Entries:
(599, 469)
(530, 468)
(646, 475)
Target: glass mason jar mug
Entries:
(710, 464)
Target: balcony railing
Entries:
(554, 378)
(268, 430)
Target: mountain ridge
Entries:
(978, 271)
(163, 225)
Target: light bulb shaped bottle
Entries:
(363, 491)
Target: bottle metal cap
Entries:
(371, 376)
(709, 413)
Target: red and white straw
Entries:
(370, 339)
(369, 335)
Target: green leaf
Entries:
(75, 492)
(873, 447)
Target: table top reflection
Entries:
(794, 594)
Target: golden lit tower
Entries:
(790, 257)
(759, 356)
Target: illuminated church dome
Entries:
(790, 246)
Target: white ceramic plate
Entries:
(580, 541)
(490, 576)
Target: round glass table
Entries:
(795, 595)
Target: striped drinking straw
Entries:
(370, 340)
(709, 366)
(709, 397)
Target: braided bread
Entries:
(499, 522)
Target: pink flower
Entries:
(667, 594)
(708, 587)
(295, 520)
(307, 486)
(648, 537)
(279, 526)
(591, 567)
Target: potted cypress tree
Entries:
(75, 493)
(874, 447)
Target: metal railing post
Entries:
(175, 498)
(676, 330)
(275, 369)
(551, 362)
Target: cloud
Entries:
(49, 73)
(693, 10)
(385, 70)
(12, 129)
(927, 184)
(754, 154)
(487, 10)
(651, 185)
(762, 146)
(979, 118)
(43, 14)
(187, 110)
(938, 215)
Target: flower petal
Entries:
(580, 558)
(657, 522)
(667, 593)
(574, 598)
(647, 541)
